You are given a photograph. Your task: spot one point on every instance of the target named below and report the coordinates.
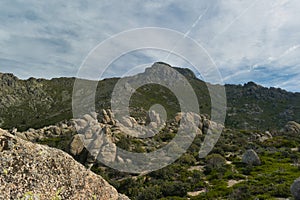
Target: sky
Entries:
(247, 40)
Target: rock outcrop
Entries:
(250, 157)
(34, 171)
(295, 189)
(60, 129)
(293, 127)
(92, 138)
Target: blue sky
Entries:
(248, 40)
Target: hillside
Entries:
(242, 165)
(35, 103)
(256, 157)
(252, 106)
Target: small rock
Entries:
(97, 143)
(94, 115)
(110, 114)
(88, 118)
(88, 134)
(126, 122)
(178, 117)
(108, 153)
(76, 145)
(153, 125)
(81, 123)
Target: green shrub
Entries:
(150, 193)
(174, 189)
(187, 159)
(215, 161)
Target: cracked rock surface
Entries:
(29, 170)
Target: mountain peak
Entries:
(164, 67)
(159, 63)
(7, 75)
(252, 84)
(8, 79)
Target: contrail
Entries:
(196, 22)
(234, 20)
(188, 31)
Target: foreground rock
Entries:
(250, 157)
(33, 171)
(295, 189)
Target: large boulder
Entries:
(295, 189)
(33, 171)
(250, 157)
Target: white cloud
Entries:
(46, 39)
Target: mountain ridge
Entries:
(34, 103)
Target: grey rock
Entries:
(94, 115)
(295, 189)
(293, 127)
(88, 118)
(97, 142)
(108, 153)
(126, 122)
(88, 134)
(30, 135)
(178, 117)
(154, 117)
(153, 125)
(81, 123)
(55, 130)
(250, 157)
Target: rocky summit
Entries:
(33, 171)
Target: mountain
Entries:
(252, 106)
(35, 103)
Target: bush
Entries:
(150, 193)
(281, 190)
(215, 161)
(174, 189)
(241, 192)
(187, 159)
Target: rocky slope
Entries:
(35, 103)
(33, 171)
(242, 165)
(99, 131)
(252, 106)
